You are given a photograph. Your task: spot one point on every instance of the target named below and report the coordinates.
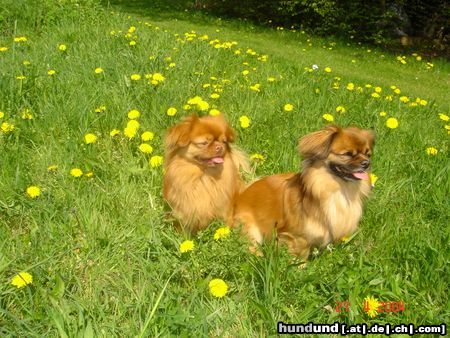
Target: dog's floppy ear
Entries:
(178, 135)
(317, 144)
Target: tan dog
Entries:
(201, 177)
(318, 206)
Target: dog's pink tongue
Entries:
(361, 175)
(216, 160)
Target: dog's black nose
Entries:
(365, 164)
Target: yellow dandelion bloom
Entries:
(244, 121)
(218, 288)
(52, 168)
(132, 43)
(423, 102)
(2, 114)
(375, 95)
(130, 132)
(3, 49)
(350, 86)
(214, 112)
(404, 99)
(431, 151)
(146, 148)
(397, 90)
(271, 79)
(158, 77)
(373, 179)
(327, 69)
(22, 279)
(328, 117)
(51, 72)
(114, 132)
(388, 98)
(62, 47)
(187, 246)
(26, 115)
(156, 161)
(147, 136)
(392, 123)
(195, 100)
(98, 70)
(7, 127)
(345, 239)
(383, 113)
(132, 29)
(288, 107)
(171, 111)
(340, 109)
(21, 77)
(245, 72)
(444, 117)
(135, 77)
(20, 39)
(33, 191)
(256, 87)
(214, 96)
(257, 157)
(134, 114)
(378, 89)
(76, 172)
(222, 233)
(89, 174)
(203, 105)
(90, 138)
(371, 305)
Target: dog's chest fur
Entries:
(332, 208)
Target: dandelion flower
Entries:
(373, 179)
(132, 43)
(158, 77)
(146, 148)
(114, 132)
(7, 127)
(423, 102)
(392, 123)
(3, 49)
(431, 151)
(214, 96)
(98, 70)
(62, 47)
(371, 305)
(327, 69)
(90, 138)
(256, 87)
(288, 107)
(21, 77)
(404, 99)
(257, 157)
(147, 136)
(186, 246)
(214, 112)
(271, 79)
(52, 168)
(76, 172)
(245, 72)
(130, 132)
(383, 113)
(375, 95)
(218, 288)
(444, 117)
(397, 91)
(171, 111)
(350, 86)
(328, 117)
(340, 109)
(244, 121)
(134, 114)
(89, 174)
(22, 279)
(222, 233)
(20, 39)
(2, 114)
(135, 77)
(51, 72)
(100, 109)
(156, 161)
(378, 89)
(33, 191)
(203, 105)
(26, 115)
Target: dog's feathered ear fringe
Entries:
(178, 135)
(317, 145)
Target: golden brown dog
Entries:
(318, 206)
(201, 177)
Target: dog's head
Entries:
(203, 140)
(345, 151)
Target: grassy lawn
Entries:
(103, 260)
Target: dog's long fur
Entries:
(320, 205)
(196, 188)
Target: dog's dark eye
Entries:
(202, 144)
(348, 153)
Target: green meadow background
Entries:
(104, 262)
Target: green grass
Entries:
(103, 260)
